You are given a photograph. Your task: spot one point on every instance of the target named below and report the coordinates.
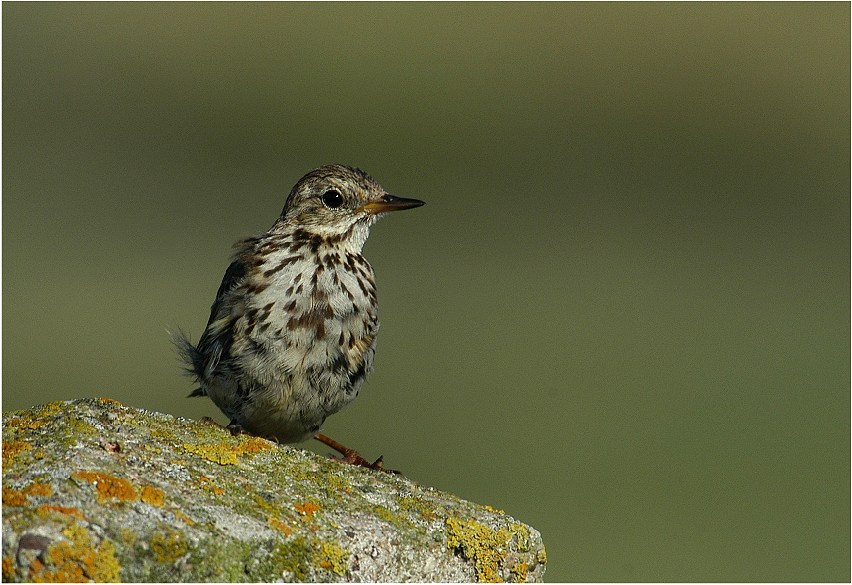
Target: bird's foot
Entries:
(352, 457)
(209, 421)
(232, 427)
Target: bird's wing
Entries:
(233, 276)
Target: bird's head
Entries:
(338, 203)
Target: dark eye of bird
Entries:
(332, 199)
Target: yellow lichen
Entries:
(128, 536)
(384, 514)
(522, 536)
(153, 496)
(412, 504)
(480, 544)
(76, 559)
(106, 567)
(168, 546)
(336, 484)
(291, 558)
(48, 409)
(520, 571)
(81, 427)
(108, 487)
(263, 505)
(180, 515)
(162, 433)
(332, 557)
(215, 452)
(227, 454)
(391, 517)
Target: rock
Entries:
(94, 490)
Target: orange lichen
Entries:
(277, 524)
(8, 569)
(46, 509)
(19, 498)
(108, 486)
(23, 423)
(13, 497)
(36, 566)
(76, 560)
(254, 445)
(153, 496)
(207, 483)
(11, 449)
(38, 489)
(306, 509)
(104, 400)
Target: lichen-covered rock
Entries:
(94, 490)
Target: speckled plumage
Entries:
(292, 331)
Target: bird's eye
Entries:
(332, 199)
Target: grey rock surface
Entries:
(94, 490)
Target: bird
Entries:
(292, 330)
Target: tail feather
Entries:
(190, 356)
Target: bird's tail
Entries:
(190, 356)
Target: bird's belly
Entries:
(288, 390)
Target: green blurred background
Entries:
(623, 315)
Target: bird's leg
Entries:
(352, 456)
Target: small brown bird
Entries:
(292, 331)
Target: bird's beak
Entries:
(391, 203)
